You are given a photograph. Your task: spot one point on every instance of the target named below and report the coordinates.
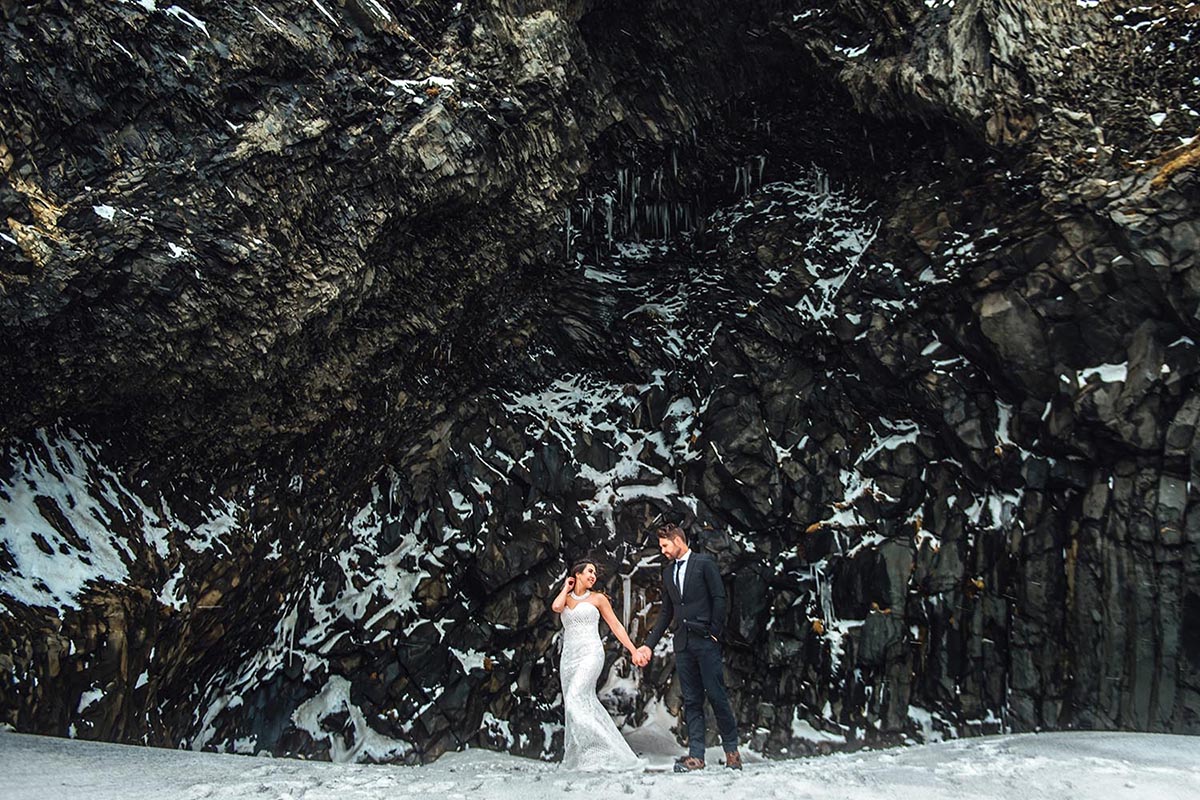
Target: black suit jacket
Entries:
(699, 611)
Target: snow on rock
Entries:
(1107, 373)
(60, 536)
(69, 522)
(364, 597)
(187, 17)
(360, 743)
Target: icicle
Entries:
(743, 178)
(627, 594)
(608, 216)
(674, 166)
(568, 234)
(636, 185)
(762, 163)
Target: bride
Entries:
(592, 741)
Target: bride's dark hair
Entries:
(580, 566)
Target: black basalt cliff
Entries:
(332, 329)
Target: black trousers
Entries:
(702, 675)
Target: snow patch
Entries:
(362, 742)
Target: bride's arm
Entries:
(614, 624)
(560, 602)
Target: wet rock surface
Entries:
(383, 314)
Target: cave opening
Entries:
(897, 317)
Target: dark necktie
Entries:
(678, 584)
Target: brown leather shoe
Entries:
(733, 760)
(689, 764)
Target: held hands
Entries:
(641, 656)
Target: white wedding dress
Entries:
(592, 742)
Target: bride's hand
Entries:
(642, 656)
(569, 584)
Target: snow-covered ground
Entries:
(1045, 766)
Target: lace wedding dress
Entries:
(592, 741)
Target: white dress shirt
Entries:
(681, 571)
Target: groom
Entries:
(694, 606)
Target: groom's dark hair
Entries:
(672, 531)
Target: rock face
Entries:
(334, 331)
